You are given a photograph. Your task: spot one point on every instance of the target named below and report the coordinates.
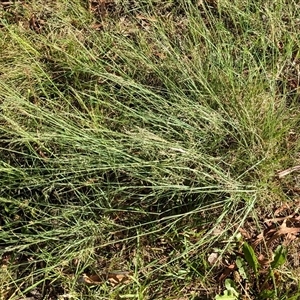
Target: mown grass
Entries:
(140, 136)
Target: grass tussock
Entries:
(140, 136)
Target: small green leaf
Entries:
(240, 263)
(267, 294)
(250, 257)
(280, 257)
(230, 293)
(230, 286)
(226, 297)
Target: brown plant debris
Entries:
(113, 278)
(286, 172)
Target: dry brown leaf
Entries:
(283, 230)
(228, 270)
(276, 220)
(91, 279)
(263, 261)
(244, 233)
(281, 209)
(289, 238)
(97, 26)
(118, 277)
(286, 172)
(259, 238)
(288, 230)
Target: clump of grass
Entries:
(129, 147)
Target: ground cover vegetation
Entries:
(149, 149)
